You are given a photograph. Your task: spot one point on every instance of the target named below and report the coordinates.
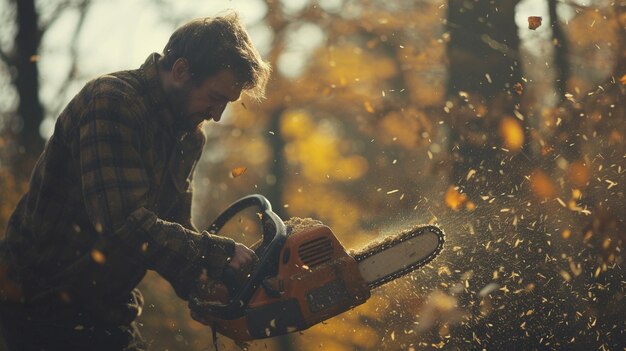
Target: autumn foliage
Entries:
(529, 188)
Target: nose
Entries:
(216, 112)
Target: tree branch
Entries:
(83, 8)
(58, 9)
(54, 15)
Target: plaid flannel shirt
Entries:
(110, 197)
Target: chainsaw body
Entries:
(316, 280)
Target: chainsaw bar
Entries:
(399, 254)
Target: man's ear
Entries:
(180, 71)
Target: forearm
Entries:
(178, 254)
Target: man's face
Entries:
(207, 100)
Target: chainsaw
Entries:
(305, 276)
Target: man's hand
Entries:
(206, 295)
(209, 292)
(242, 259)
(240, 266)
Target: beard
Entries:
(179, 101)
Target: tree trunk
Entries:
(620, 14)
(483, 41)
(277, 168)
(566, 134)
(26, 81)
(559, 40)
(483, 74)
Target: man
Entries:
(110, 196)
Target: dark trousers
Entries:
(32, 329)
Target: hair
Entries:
(212, 44)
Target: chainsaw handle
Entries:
(274, 236)
(272, 224)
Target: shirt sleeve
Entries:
(182, 211)
(115, 185)
(187, 257)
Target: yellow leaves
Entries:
(615, 137)
(317, 149)
(534, 22)
(565, 275)
(439, 305)
(512, 134)
(541, 185)
(352, 167)
(623, 79)
(566, 234)
(399, 128)
(456, 200)
(546, 150)
(442, 301)
(350, 63)
(296, 123)
(98, 256)
(237, 171)
(368, 107)
(579, 174)
(470, 206)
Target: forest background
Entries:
(381, 115)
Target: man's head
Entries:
(209, 62)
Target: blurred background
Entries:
(505, 129)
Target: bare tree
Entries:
(484, 71)
(559, 39)
(22, 58)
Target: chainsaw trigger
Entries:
(269, 285)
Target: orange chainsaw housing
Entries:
(316, 280)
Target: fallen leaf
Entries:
(566, 234)
(237, 171)
(512, 134)
(542, 185)
(519, 88)
(534, 22)
(579, 174)
(454, 199)
(98, 256)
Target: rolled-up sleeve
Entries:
(115, 186)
